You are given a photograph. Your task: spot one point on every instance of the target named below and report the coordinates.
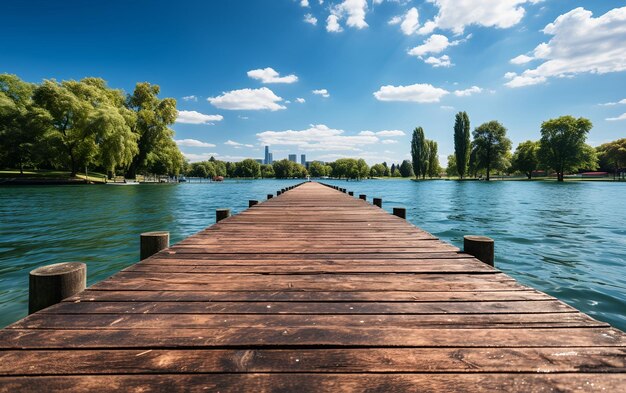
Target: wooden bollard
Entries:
(363, 196)
(270, 196)
(378, 202)
(221, 214)
(400, 212)
(278, 193)
(481, 247)
(351, 193)
(152, 242)
(252, 202)
(50, 284)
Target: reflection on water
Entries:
(565, 239)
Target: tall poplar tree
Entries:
(433, 159)
(462, 144)
(419, 153)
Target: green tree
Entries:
(490, 144)
(406, 169)
(526, 159)
(612, 155)
(283, 169)
(363, 169)
(199, 169)
(433, 159)
(562, 144)
(152, 117)
(452, 169)
(419, 153)
(462, 144)
(317, 169)
(378, 170)
(248, 168)
(267, 171)
(396, 173)
(169, 161)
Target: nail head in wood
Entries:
(481, 247)
(50, 284)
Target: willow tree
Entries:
(419, 153)
(562, 145)
(490, 145)
(462, 145)
(153, 116)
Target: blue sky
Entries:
(342, 78)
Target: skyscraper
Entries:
(293, 157)
(271, 158)
(303, 159)
(267, 155)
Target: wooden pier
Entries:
(313, 290)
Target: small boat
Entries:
(218, 178)
(124, 183)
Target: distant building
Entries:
(267, 155)
(260, 161)
(293, 157)
(303, 159)
(271, 158)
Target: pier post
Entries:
(270, 196)
(221, 214)
(278, 193)
(400, 212)
(152, 242)
(351, 193)
(50, 284)
(363, 196)
(252, 202)
(481, 247)
(378, 202)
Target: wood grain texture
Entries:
(313, 290)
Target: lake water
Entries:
(568, 240)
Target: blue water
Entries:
(568, 240)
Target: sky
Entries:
(336, 78)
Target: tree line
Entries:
(73, 125)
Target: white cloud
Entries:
(614, 103)
(317, 138)
(419, 92)
(468, 92)
(395, 20)
(197, 157)
(310, 19)
(248, 99)
(436, 43)
(580, 43)
(332, 24)
(300, 100)
(618, 118)
(455, 15)
(447, 107)
(269, 75)
(190, 98)
(353, 10)
(521, 59)
(321, 92)
(443, 61)
(237, 145)
(410, 22)
(193, 117)
(385, 133)
(388, 141)
(304, 3)
(510, 75)
(193, 143)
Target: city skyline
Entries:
(334, 79)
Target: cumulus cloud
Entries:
(318, 137)
(388, 141)
(614, 103)
(455, 15)
(468, 92)
(352, 10)
(300, 100)
(521, 59)
(237, 145)
(310, 19)
(419, 92)
(269, 75)
(443, 61)
(193, 117)
(580, 43)
(618, 118)
(321, 92)
(304, 3)
(190, 98)
(409, 22)
(436, 43)
(192, 143)
(248, 99)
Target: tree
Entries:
(169, 161)
(462, 144)
(316, 169)
(451, 169)
(267, 171)
(199, 169)
(283, 169)
(490, 144)
(406, 169)
(562, 144)
(433, 159)
(419, 153)
(525, 159)
(152, 116)
(612, 155)
(248, 168)
(378, 170)
(363, 169)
